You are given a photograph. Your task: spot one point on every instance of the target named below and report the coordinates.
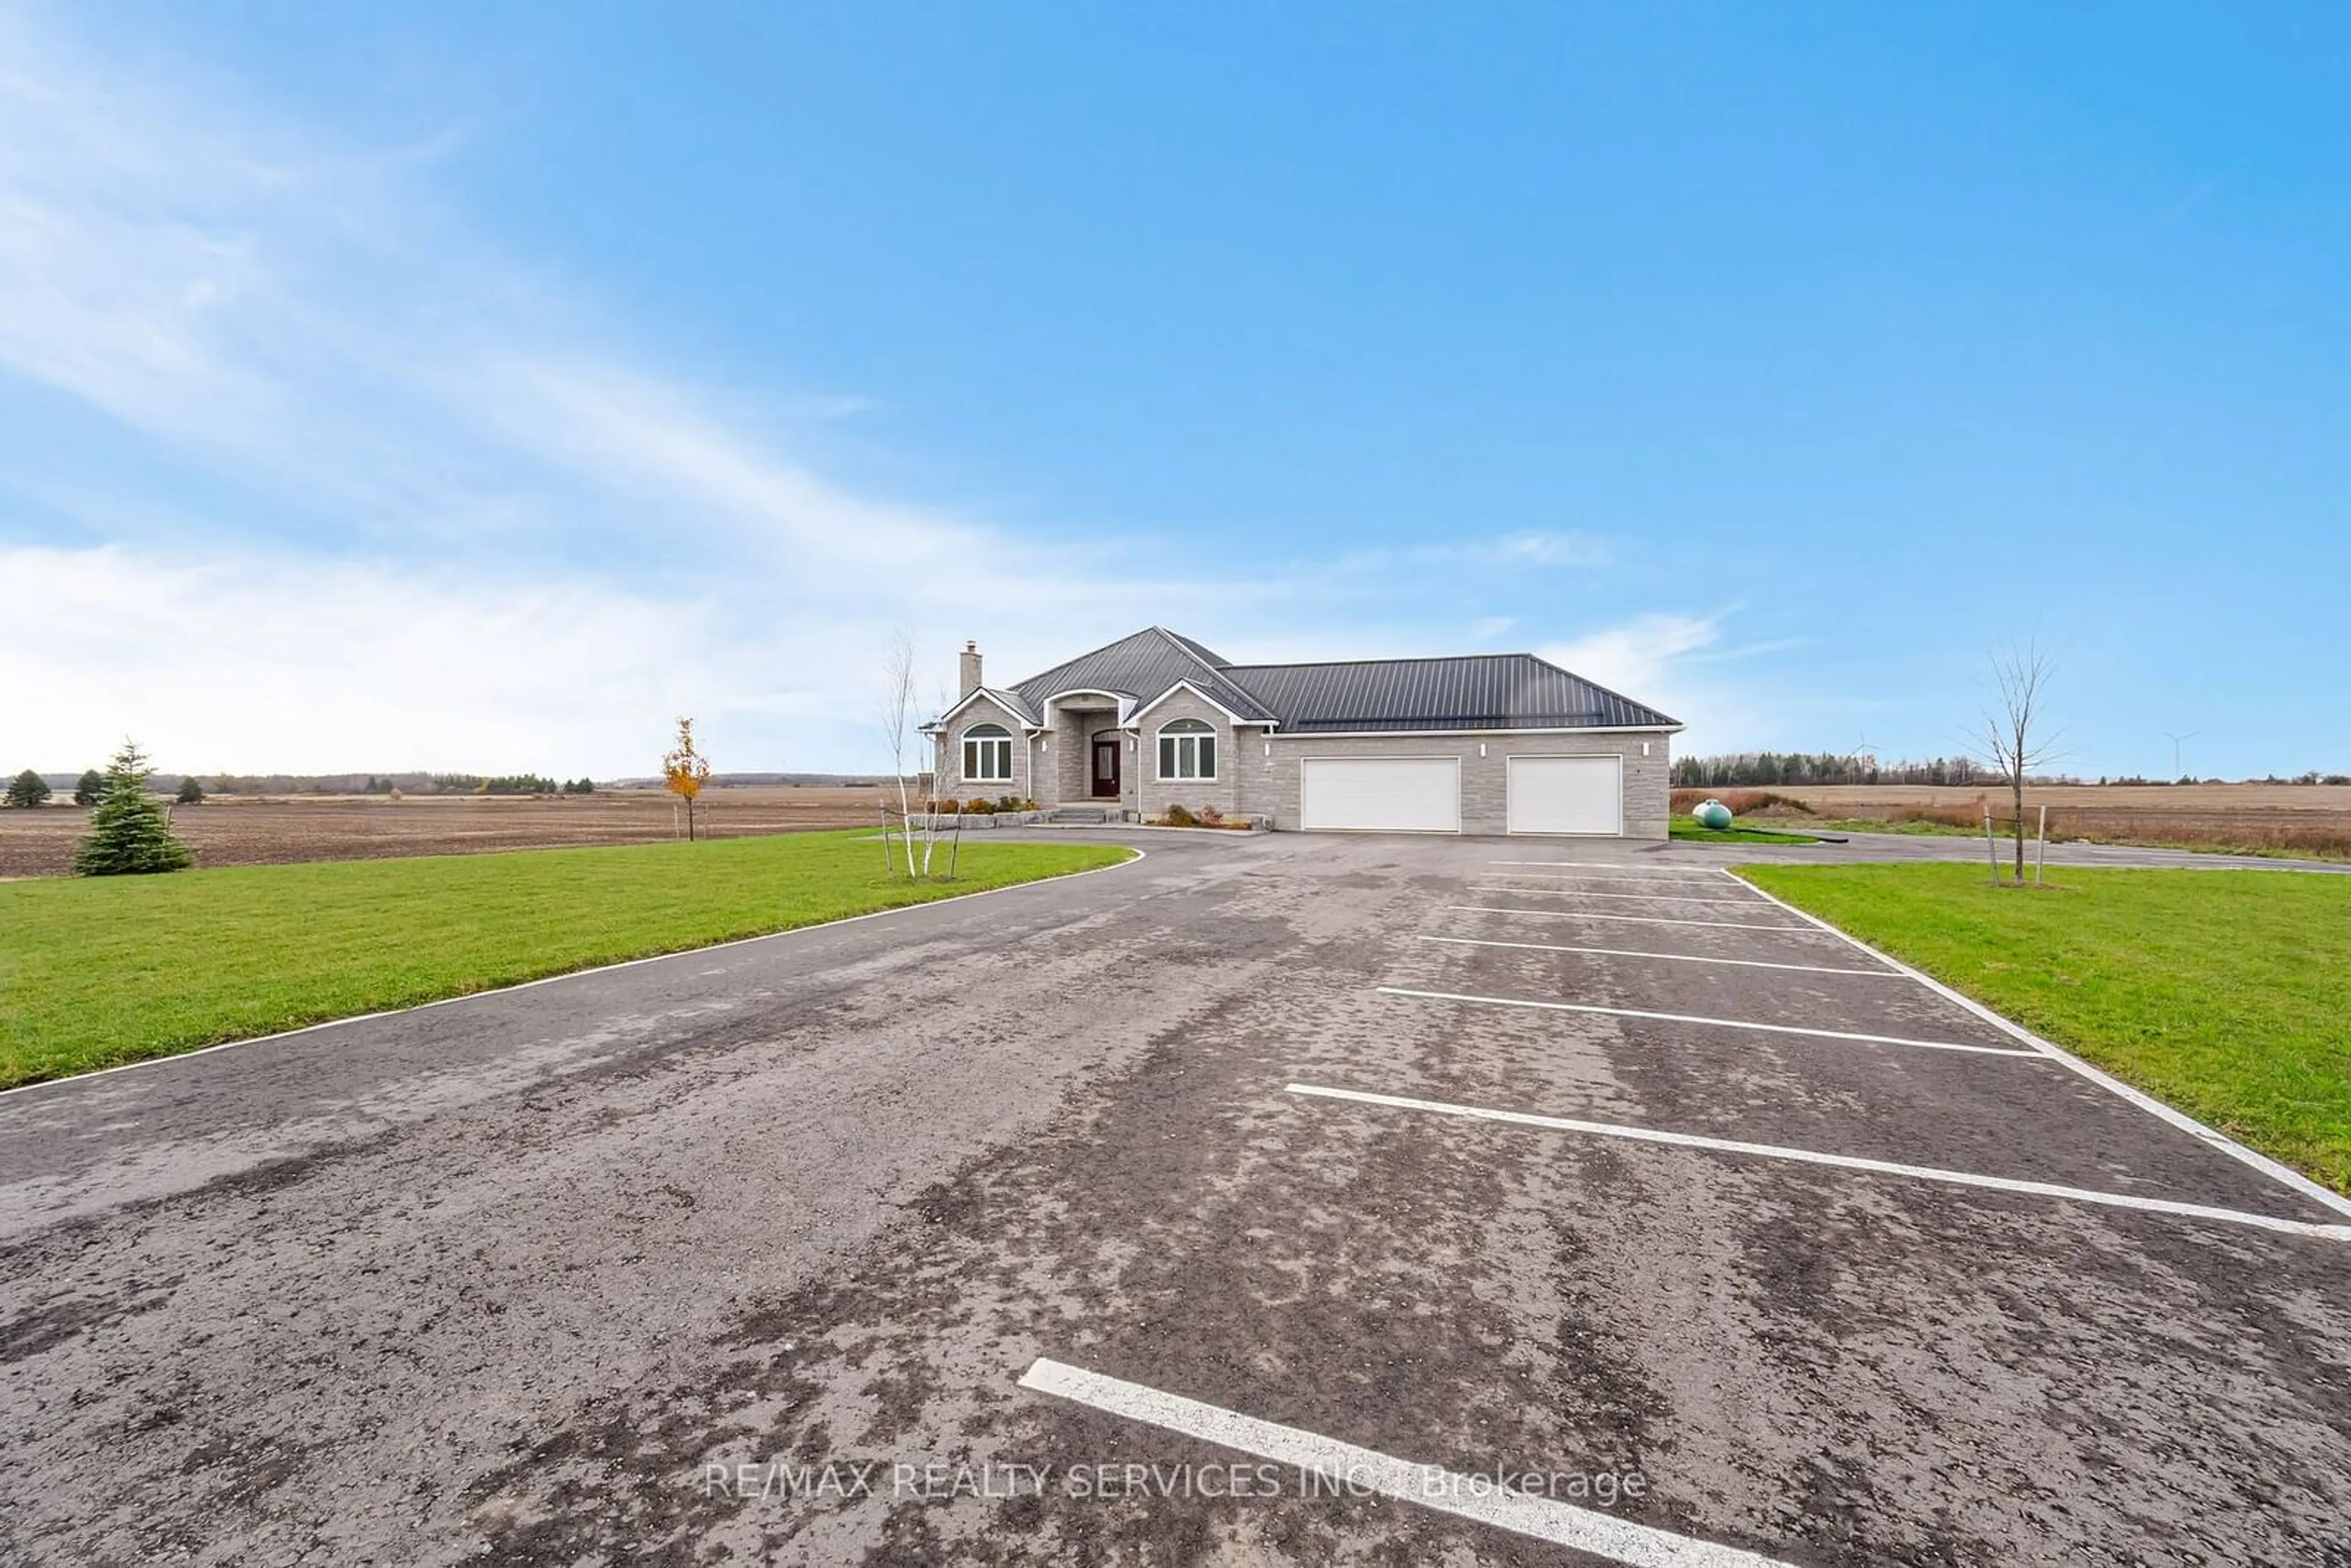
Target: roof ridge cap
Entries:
(1408, 659)
(1184, 646)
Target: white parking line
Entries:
(1631, 919)
(1676, 957)
(1587, 893)
(1585, 868)
(2285, 1176)
(1717, 1023)
(1845, 1162)
(1346, 1467)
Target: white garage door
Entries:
(1380, 794)
(1567, 795)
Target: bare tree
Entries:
(898, 721)
(2013, 738)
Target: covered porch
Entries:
(1086, 756)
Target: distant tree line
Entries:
(1766, 767)
(32, 789)
(92, 789)
(1748, 768)
(509, 784)
(399, 784)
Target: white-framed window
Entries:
(988, 754)
(1188, 749)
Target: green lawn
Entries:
(96, 972)
(2224, 993)
(1916, 828)
(1690, 831)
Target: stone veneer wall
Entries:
(952, 785)
(1154, 794)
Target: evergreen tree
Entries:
(191, 793)
(90, 788)
(27, 789)
(128, 834)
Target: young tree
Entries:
(685, 771)
(128, 835)
(2014, 739)
(27, 789)
(191, 793)
(898, 711)
(897, 721)
(90, 788)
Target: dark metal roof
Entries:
(1473, 692)
(1478, 691)
(1218, 660)
(1141, 667)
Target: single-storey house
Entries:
(1485, 743)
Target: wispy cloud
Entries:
(1639, 654)
(401, 500)
(1533, 547)
(364, 416)
(2194, 197)
(1675, 662)
(1526, 548)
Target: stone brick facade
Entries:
(1155, 794)
(952, 785)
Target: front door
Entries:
(1106, 768)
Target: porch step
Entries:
(1091, 814)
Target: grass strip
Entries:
(98, 972)
(2223, 993)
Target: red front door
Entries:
(1106, 768)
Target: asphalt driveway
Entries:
(1277, 1198)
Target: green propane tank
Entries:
(1712, 814)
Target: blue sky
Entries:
(474, 387)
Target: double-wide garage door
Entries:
(1422, 794)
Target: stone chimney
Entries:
(969, 682)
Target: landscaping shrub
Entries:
(1009, 803)
(1180, 817)
(1211, 818)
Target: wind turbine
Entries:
(2176, 740)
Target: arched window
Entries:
(1188, 749)
(988, 754)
